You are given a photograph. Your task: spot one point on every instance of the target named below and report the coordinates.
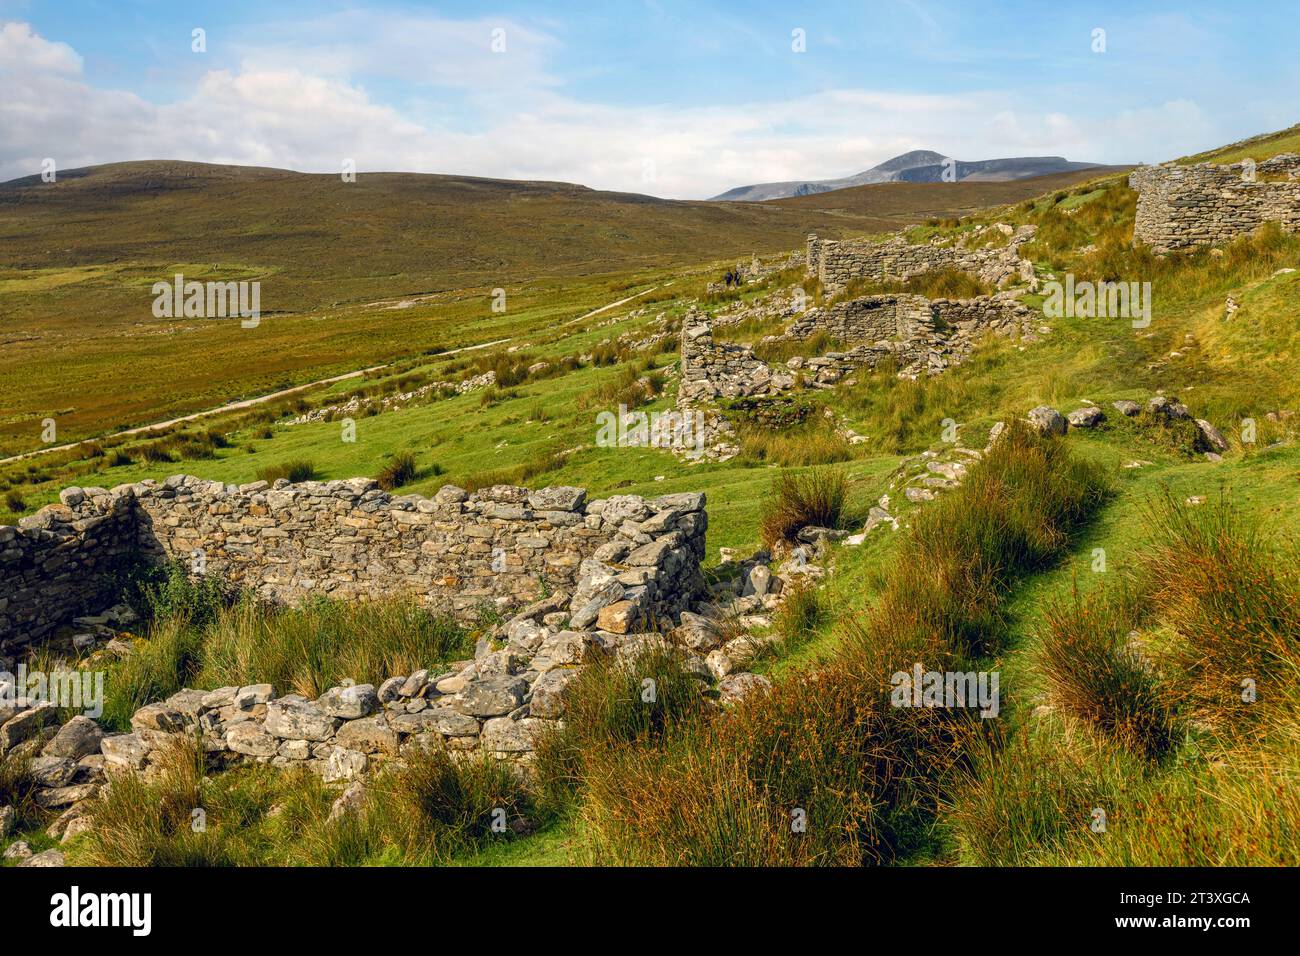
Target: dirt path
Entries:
(615, 305)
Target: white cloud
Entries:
(423, 49)
(305, 110)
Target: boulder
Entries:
(246, 698)
(561, 498)
(250, 739)
(78, 738)
(450, 723)
(125, 751)
(47, 858)
(349, 702)
(221, 697)
(490, 698)
(53, 771)
(344, 764)
(1167, 407)
(158, 716)
(59, 797)
(414, 685)
(293, 718)
(1211, 437)
(391, 689)
(564, 649)
(1126, 408)
(593, 599)
(757, 581)
(1087, 417)
(187, 703)
(1047, 420)
(697, 632)
(503, 735)
(548, 693)
(619, 617)
(352, 800)
(735, 687)
(368, 735)
(26, 724)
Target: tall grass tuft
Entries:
(201, 636)
(1022, 798)
(293, 471)
(149, 822)
(311, 648)
(1095, 673)
(400, 470)
(813, 498)
(610, 704)
(426, 811)
(826, 748)
(1232, 596)
(799, 447)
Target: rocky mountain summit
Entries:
(916, 166)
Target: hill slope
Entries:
(78, 259)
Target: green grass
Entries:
(198, 637)
(429, 811)
(825, 741)
(1065, 745)
(558, 250)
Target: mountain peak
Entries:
(917, 157)
(916, 166)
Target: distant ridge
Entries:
(918, 166)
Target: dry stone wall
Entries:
(713, 370)
(1185, 206)
(58, 564)
(922, 336)
(870, 319)
(836, 263)
(455, 551)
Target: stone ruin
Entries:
(837, 263)
(922, 336)
(622, 575)
(1182, 207)
(455, 551)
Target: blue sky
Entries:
(668, 98)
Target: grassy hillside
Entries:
(1120, 681)
(352, 274)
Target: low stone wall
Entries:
(456, 551)
(711, 370)
(921, 336)
(870, 319)
(838, 263)
(1185, 206)
(58, 564)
